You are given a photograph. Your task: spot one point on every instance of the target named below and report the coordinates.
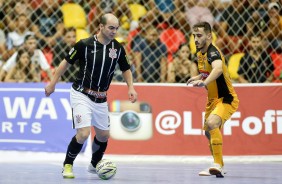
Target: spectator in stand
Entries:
(48, 23)
(118, 74)
(150, 56)
(37, 57)
(165, 13)
(12, 10)
(256, 65)
(24, 70)
(198, 11)
(273, 32)
(182, 68)
(16, 38)
(258, 18)
(2, 46)
(232, 28)
(61, 49)
(144, 22)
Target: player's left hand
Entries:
(132, 94)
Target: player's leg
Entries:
(82, 123)
(99, 147)
(73, 150)
(214, 123)
(101, 126)
(209, 107)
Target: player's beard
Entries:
(200, 45)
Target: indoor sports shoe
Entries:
(67, 171)
(91, 169)
(216, 170)
(206, 172)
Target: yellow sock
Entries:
(212, 154)
(216, 146)
(210, 146)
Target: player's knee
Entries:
(212, 124)
(103, 136)
(82, 134)
(213, 121)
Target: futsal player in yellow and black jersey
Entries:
(222, 99)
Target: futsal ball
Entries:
(106, 169)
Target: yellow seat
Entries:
(192, 42)
(81, 34)
(74, 15)
(233, 65)
(137, 11)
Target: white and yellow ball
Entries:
(106, 169)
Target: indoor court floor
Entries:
(26, 169)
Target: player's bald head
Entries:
(108, 18)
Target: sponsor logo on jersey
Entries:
(113, 53)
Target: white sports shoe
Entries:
(216, 170)
(91, 169)
(206, 172)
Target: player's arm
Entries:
(215, 73)
(50, 88)
(127, 75)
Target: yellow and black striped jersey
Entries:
(222, 86)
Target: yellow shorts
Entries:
(223, 110)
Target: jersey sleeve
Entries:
(123, 61)
(213, 55)
(75, 53)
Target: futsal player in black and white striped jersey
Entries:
(97, 57)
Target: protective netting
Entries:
(156, 34)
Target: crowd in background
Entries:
(35, 35)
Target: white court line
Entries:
(32, 89)
(22, 141)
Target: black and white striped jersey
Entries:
(97, 62)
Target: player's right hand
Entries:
(49, 89)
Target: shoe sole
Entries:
(68, 177)
(204, 174)
(216, 172)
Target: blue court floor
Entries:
(134, 173)
(45, 171)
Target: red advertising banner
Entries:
(167, 120)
